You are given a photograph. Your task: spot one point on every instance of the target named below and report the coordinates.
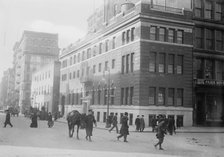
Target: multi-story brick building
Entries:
(34, 50)
(208, 61)
(141, 54)
(45, 87)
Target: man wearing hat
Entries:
(90, 119)
(124, 127)
(7, 119)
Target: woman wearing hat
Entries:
(124, 127)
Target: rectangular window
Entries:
(70, 60)
(152, 33)
(132, 62)
(112, 94)
(94, 69)
(94, 51)
(123, 64)
(133, 34)
(180, 35)
(199, 68)
(98, 116)
(87, 71)
(152, 62)
(209, 69)
(122, 96)
(198, 8)
(73, 98)
(162, 34)
(179, 64)
(99, 68)
(123, 38)
(105, 96)
(128, 36)
(208, 9)
(180, 93)
(209, 39)
(99, 96)
(219, 40)
(171, 96)
(171, 35)
(219, 70)
(131, 95)
(152, 95)
(162, 63)
(126, 95)
(114, 43)
(100, 48)
(170, 64)
(127, 63)
(73, 74)
(161, 96)
(78, 57)
(113, 63)
(106, 45)
(83, 55)
(74, 59)
(89, 53)
(199, 37)
(218, 11)
(106, 66)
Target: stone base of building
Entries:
(183, 114)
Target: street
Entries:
(21, 140)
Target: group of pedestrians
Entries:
(140, 123)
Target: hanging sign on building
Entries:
(209, 82)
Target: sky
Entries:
(67, 18)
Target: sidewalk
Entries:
(192, 129)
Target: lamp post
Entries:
(108, 98)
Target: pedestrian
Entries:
(90, 119)
(142, 124)
(161, 131)
(154, 121)
(114, 123)
(34, 120)
(137, 123)
(50, 122)
(7, 119)
(124, 127)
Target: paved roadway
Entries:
(22, 141)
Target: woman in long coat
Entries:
(90, 119)
(124, 127)
(34, 121)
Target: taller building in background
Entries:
(208, 62)
(34, 50)
(136, 58)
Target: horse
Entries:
(74, 118)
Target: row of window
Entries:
(127, 95)
(42, 90)
(210, 69)
(157, 96)
(127, 63)
(97, 96)
(87, 70)
(157, 63)
(209, 39)
(127, 36)
(42, 76)
(166, 34)
(208, 9)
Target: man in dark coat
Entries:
(142, 124)
(160, 134)
(90, 119)
(114, 123)
(137, 123)
(124, 127)
(34, 121)
(7, 119)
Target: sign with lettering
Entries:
(209, 82)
